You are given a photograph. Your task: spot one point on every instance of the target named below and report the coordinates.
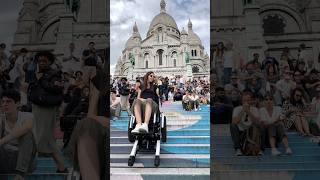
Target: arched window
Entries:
(191, 52)
(160, 53)
(146, 64)
(195, 52)
(174, 58)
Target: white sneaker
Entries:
(143, 128)
(288, 151)
(196, 109)
(136, 129)
(275, 152)
(238, 152)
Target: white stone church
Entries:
(254, 26)
(53, 25)
(166, 50)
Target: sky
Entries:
(124, 13)
(9, 13)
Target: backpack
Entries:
(252, 141)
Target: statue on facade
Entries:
(132, 60)
(187, 59)
(73, 5)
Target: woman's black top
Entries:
(149, 93)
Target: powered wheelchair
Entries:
(148, 142)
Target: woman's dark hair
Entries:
(292, 99)
(268, 95)
(145, 82)
(11, 94)
(46, 54)
(275, 72)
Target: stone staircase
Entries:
(46, 170)
(185, 155)
(303, 164)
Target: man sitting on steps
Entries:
(17, 145)
(243, 118)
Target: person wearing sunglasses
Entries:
(272, 118)
(146, 104)
(296, 112)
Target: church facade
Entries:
(166, 50)
(254, 26)
(54, 24)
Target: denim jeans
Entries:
(226, 75)
(21, 161)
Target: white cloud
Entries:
(124, 13)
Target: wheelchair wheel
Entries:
(131, 160)
(164, 130)
(157, 161)
(130, 136)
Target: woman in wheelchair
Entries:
(146, 104)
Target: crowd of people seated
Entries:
(191, 92)
(42, 88)
(267, 95)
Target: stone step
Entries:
(160, 173)
(267, 166)
(298, 174)
(265, 159)
(296, 150)
(184, 140)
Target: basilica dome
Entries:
(162, 18)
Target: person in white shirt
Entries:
(17, 143)
(115, 107)
(284, 87)
(17, 70)
(186, 101)
(243, 117)
(272, 118)
(194, 101)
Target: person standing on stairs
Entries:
(46, 95)
(17, 144)
(272, 118)
(124, 91)
(243, 117)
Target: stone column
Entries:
(254, 32)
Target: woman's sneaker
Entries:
(288, 151)
(144, 128)
(238, 152)
(136, 129)
(275, 152)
